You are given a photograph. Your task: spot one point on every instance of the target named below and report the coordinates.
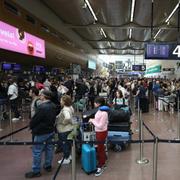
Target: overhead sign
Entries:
(168, 69)
(154, 69)
(139, 67)
(119, 64)
(14, 39)
(162, 51)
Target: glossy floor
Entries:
(16, 160)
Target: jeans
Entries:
(38, 150)
(66, 147)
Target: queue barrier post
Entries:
(155, 159)
(73, 177)
(178, 121)
(138, 121)
(141, 160)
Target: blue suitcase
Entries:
(119, 139)
(88, 158)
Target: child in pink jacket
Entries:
(101, 125)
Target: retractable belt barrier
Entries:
(74, 142)
(12, 133)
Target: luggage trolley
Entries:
(119, 130)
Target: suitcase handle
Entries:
(117, 135)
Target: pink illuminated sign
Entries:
(13, 39)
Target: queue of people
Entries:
(52, 109)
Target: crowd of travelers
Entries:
(52, 107)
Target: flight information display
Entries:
(162, 51)
(139, 67)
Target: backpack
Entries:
(123, 106)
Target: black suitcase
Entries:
(88, 114)
(144, 105)
(123, 126)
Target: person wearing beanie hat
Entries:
(42, 126)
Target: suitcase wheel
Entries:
(118, 148)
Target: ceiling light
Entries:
(132, 10)
(172, 13)
(109, 44)
(130, 33)
(91, 10)
(157, 33)
(102, 31)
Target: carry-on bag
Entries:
(88, 158)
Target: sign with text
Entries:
(154, 69)
(14, 39)
(139, 67)
(162, 51)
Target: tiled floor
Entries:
(16, 160)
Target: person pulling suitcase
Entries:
(101, 125)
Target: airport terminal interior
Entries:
(90, 89)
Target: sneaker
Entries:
(32, 174)
(70, 158)
(99, 171)
(15, 119)
(104, 166)
(66, 161)
(48, 168)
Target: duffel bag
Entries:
(118, 116)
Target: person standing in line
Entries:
(64, 126)
(13, 98)
(101, 125)
(42, 126)
(34, 94)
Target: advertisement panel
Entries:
(16, 40)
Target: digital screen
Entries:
(6, 66)
(91, 64)
(55, 71)
(139, 67)
(14, 39)
(162, 51)
(39, 69)
(16, 67)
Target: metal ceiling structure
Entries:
(111, 26)
(108, 29)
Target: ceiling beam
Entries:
(125, 26)
(126, 48)
(126, 40)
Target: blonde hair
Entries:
(67, 100)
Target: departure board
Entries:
(139, 67)
(162, 51)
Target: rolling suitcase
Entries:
(144, 105)
(88, 158)
(119, 139)
(123, 126)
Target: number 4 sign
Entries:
(177, 51)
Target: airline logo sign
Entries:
(14, 39)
